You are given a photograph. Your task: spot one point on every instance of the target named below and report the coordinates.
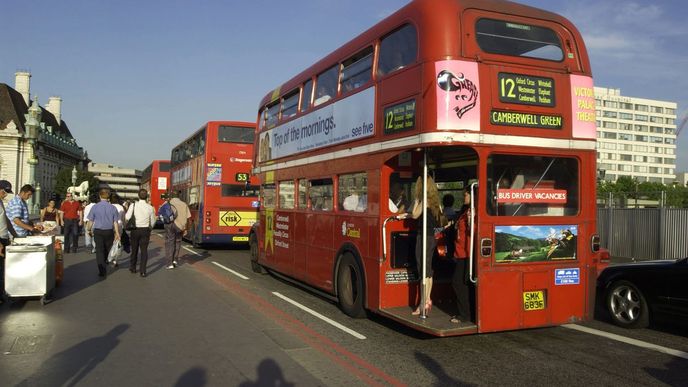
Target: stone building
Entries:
(35, 143)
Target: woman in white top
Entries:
(117, 202)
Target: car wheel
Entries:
(253, 248)
(627, 306)
(350, 287)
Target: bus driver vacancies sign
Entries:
(343, 121)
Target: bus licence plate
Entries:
(240, 239)
(534, 300)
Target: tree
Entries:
(63, 180)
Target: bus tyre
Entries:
(253, 249)
(627, 306)
(350, 287)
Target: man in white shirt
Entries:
(144, 219)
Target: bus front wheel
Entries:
(350, 287)
(253, 248)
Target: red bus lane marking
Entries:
(365, 371)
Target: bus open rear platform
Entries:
(437, 322)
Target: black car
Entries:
(636, 293)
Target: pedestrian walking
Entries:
(88, 240)
(143, 216)
(18, 212)
(104, 229)
(5, 230)
(175, 215)
(116, 201)
(71, 210)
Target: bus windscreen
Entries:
(235, 134)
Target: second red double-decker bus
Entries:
(494, 101)
(211, 172)
(156, 180)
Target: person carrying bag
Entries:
(140, 219)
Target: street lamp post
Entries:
(74, 176)
(33, 123)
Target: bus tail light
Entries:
(207, 220)
(207, 228)
(207, 213)
(486, 247)
(595, 243)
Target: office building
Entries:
(124, 181)
(636, 137)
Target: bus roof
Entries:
(419, 11)
(229, 123)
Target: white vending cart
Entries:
(30, 268)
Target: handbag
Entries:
(441, 243)
(131, 223)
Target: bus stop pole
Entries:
(423, 287)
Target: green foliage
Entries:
(625, 188)
(63, 180)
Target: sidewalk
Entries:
(174, 327)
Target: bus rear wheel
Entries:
(350, 287)
(253, 249)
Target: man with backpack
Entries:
(175, 215)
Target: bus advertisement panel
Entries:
(401, 140)
(211, 172)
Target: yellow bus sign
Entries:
(237, 218)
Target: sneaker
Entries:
(172, 266)
(175, 263)
(93, 250)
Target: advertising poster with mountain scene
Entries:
(515, 244)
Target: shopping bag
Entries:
(115, 251)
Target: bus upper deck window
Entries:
(356, 70)
(306, 95)
(398, 50)
(326, 86)
(516, 39)
(272, 115)
(289, 104)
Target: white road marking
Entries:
(320, 316)
(231, 271)
(191, 251)
(628, 340)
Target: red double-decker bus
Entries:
(492, 98)
(211, 171)
(156, 180)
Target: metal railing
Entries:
(644, 233)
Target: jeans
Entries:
(173, 242)
(71, 233)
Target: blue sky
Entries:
(137, 77)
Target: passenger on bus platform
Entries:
(448, 207)
(462, 247)
(397, 199)
(434, 222)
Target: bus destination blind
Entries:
(526, 89)
(400, 117)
